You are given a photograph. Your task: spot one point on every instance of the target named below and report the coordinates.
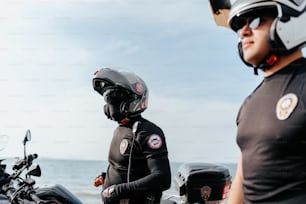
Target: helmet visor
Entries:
(101, 85)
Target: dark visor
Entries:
(239, 21)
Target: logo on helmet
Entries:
(139, 88)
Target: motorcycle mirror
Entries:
(27, 137)
(34, 170)
(3, 141)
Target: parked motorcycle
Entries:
(19, 186)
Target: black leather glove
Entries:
(110, 195)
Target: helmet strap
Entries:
(272, 59)
(267, 63)
(255, 71)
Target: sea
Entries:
(78, 176)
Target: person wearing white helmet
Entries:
(271, 123)
(139, 168)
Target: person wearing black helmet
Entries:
(139, 169)
(271, 123)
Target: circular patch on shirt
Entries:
(123, 146)
(155, 141)
(286, 105)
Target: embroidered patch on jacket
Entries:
(286, 105)
(155, 141)
(123, 146)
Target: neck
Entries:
(124, 121)
(129, 120)
(282, 62)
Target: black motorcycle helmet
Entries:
(286, 32)
(125, 93)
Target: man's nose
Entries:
(245, 31)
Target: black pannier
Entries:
(202, 182)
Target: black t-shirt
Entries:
(272, 138)
(150, 168)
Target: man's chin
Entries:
(251, 59)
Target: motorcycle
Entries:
(19, 186)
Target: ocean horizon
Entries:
(78, 176)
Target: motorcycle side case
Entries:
(201, 182)
(58, 192)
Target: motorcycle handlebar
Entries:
(25, 162)
(31, 157)
(22, 164)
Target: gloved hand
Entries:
(110, 195)
(99, 180)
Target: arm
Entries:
(157, 181)
(236, 193)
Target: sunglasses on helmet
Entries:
(253, 19)
(251, 22)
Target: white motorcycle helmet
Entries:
(287, 32)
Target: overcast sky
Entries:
(49, 50)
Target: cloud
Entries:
(50, 49)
